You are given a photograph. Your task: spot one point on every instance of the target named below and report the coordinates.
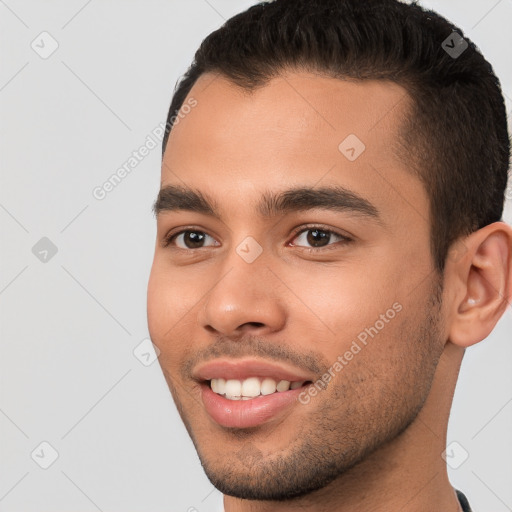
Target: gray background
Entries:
(70, 324)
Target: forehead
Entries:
(295, 105)
(300, 129)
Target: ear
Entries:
(480, 282)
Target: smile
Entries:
(244, 393)
(252, 387)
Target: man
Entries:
(329, 241)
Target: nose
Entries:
(244, 300)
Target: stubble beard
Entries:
(356, 415)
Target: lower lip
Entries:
(247, 413)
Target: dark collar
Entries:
(463, 501)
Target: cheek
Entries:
(346, 301)
(166, 308)
(172, 302)
(156, 304)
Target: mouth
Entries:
(249, 393)
(252, 387)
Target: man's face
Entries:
(313, 285)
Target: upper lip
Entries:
(244, 368)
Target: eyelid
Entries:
(321, 227)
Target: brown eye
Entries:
(318, 238)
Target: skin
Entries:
(373, 439)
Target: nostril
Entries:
(255, 324)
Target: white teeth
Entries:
(283, 385)
(268, 386)
(233, 388)
(221, 386)
(250, 388)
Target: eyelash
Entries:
(168, 240)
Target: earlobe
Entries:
(483, 284)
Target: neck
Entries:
(407, 473)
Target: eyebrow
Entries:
(174, 198)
